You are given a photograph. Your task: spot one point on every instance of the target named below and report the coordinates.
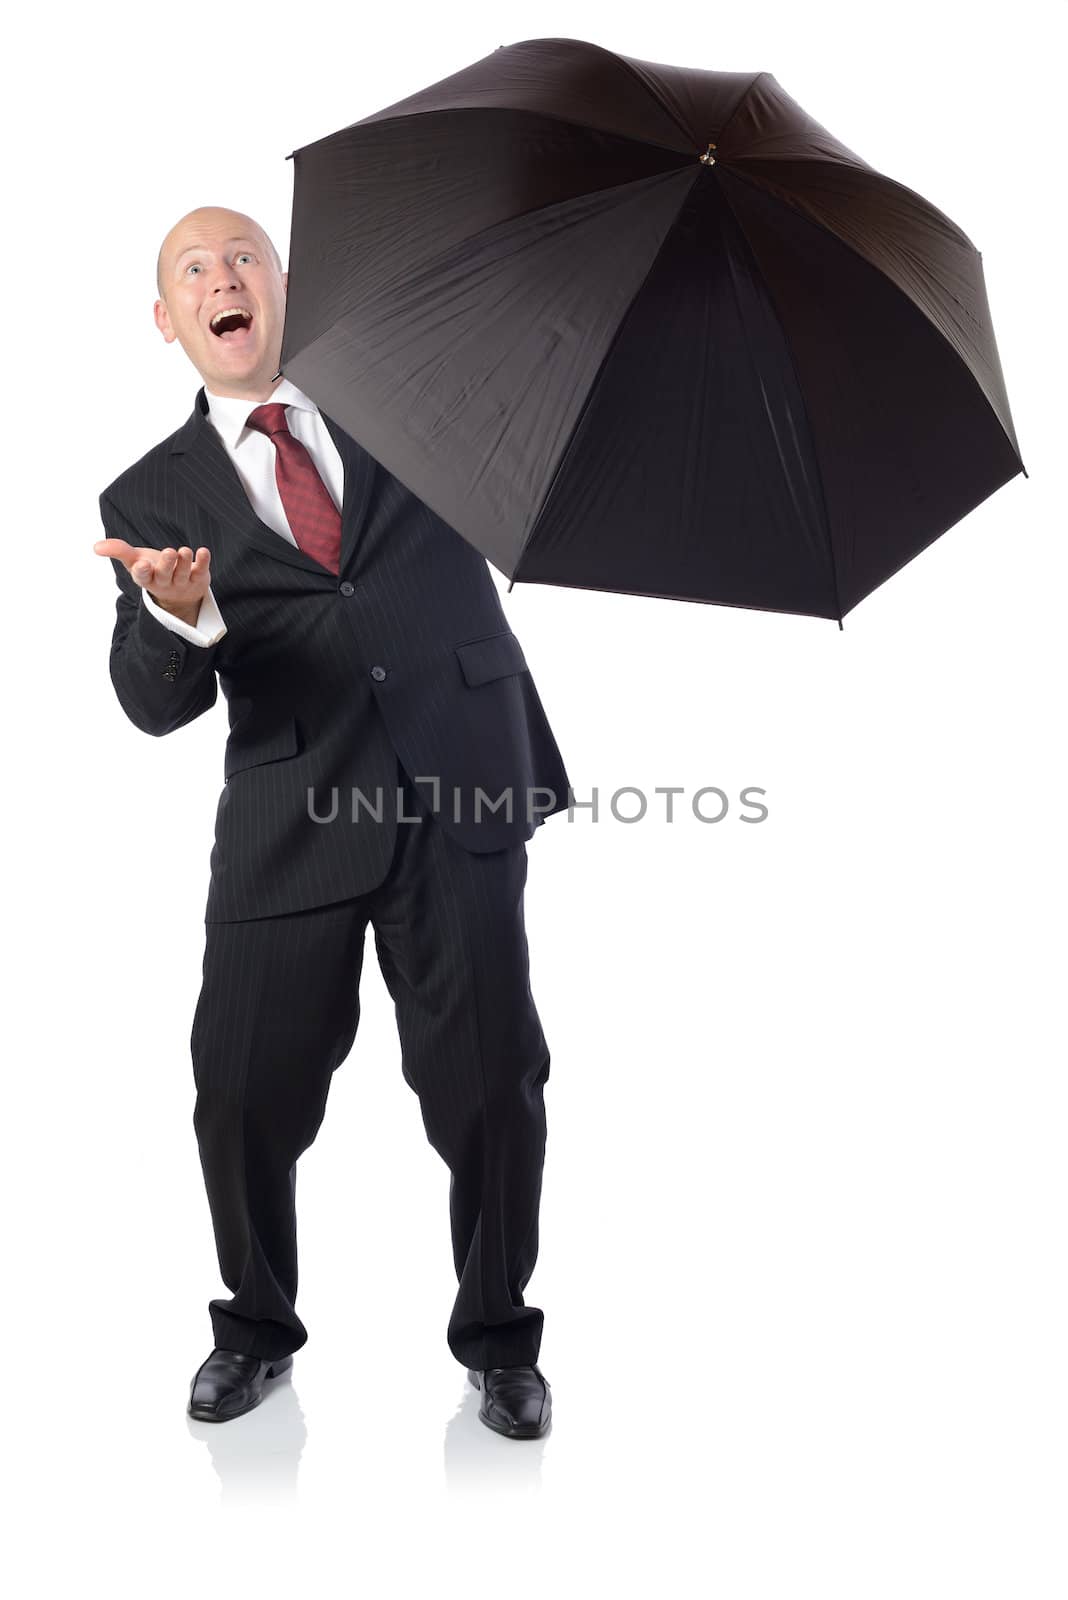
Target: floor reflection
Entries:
(256, 1456)
(477, 1458)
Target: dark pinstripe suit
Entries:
(400, 667)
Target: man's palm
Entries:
(172, 577)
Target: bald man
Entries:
(388, 759)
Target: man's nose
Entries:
(226, 278)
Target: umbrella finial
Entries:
(710, 160)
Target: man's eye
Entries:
(192, 265)
(247, 254)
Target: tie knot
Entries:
(268, 419)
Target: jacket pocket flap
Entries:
(493, 657)
(246, 750)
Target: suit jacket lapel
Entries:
(201, 460)
(359, 481)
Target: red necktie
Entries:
(312, 515)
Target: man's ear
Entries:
(285, 282)
(163, 321)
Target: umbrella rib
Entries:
(742, 98)
(593, 386)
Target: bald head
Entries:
(186, 233)
(222, 297)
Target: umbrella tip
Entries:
(841, 626)
(511, 585)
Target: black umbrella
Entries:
(647, 329)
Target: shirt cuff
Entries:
(209, 627)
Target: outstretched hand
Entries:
(176, 579)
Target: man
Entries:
(388, 759)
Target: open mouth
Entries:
(232, 324)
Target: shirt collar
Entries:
(229, 415)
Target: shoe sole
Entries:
(274, 1371)
(531, 1432)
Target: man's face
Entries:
(214, 262)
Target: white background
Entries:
(802, 1242)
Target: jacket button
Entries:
(347, 588)
(378, 673)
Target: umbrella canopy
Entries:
(647, 329)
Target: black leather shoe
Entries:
(516, 1401)
(230, 1383)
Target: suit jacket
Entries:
(405, 654)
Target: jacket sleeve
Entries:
(161, 680)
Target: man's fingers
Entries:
(115, 547)
(168, 569)
(187, 567)
(153, 570)
(180, 574)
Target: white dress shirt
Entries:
(253, 455)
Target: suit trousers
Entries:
(278, 1012)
